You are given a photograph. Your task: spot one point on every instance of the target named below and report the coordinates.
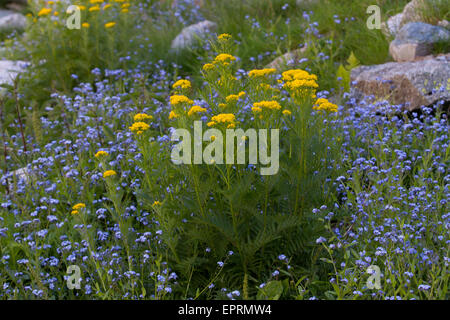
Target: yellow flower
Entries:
(224, 58)
(256, 109)
(50, 2)
(259, 73)
(224, 37)
(142, 117)
(79, 206)
(208, 66)
(110, 24)
(172, 115)
(55, 13)
(324, 105)
(222, 105)
(271, 105)
(156, 203)
(101, 154)
(228, 119)
(241, 94)
(195, 109)
(178, 99)
(124, 10)
(81, 7)
(232, 98)
(183, 84)
(287, 112)
(125, 5)
(95, 1)
(213, 138)
(139, 127)
(298, 74)
(85, 25)
(109, 173)
(94, 8)
(74, 212)
(106, 6)
(44, 12)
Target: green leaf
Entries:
(272, 291)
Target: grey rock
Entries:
(11, 20)
(414, 84)
(192, 34)
(288, 59)
(412, 12)
(416, 39)
(392, 25)
(9, 70)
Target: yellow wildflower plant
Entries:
(324, 105)
(110, 24)
(183, 84)
(44, 12)
(224, 37)
(109, 173)
(179, 99)
(141, 117)
(79, 206)
(224, 58)
(94, 8)
(101, 154)
(261, 73)
(85, 25)
(268, 105)
(227, 119)
(172, 115)
(208, 67)
(195, 110)
(139, 127)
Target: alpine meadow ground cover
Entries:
(359, 185)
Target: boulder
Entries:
(392, 25)
(11, 20)
(412, 12)
(9, 70)
(414, 84)
(416, 39)
(190, 35)
(290, 58)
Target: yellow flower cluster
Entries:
(194, 110)
(325, 105)
(301, 84)
(183, 84)
(139, 127)
(109, 173)
(208, 66)
(76, 208)
(298, 74)
(227, 119)
(178, 99)
(270, 105)
(172, 115)
(44, 12)
(233, 98)
(140, 117)
(224, 58)
(101, 154)
(260, 73)
(110, 24)
(224, 37)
